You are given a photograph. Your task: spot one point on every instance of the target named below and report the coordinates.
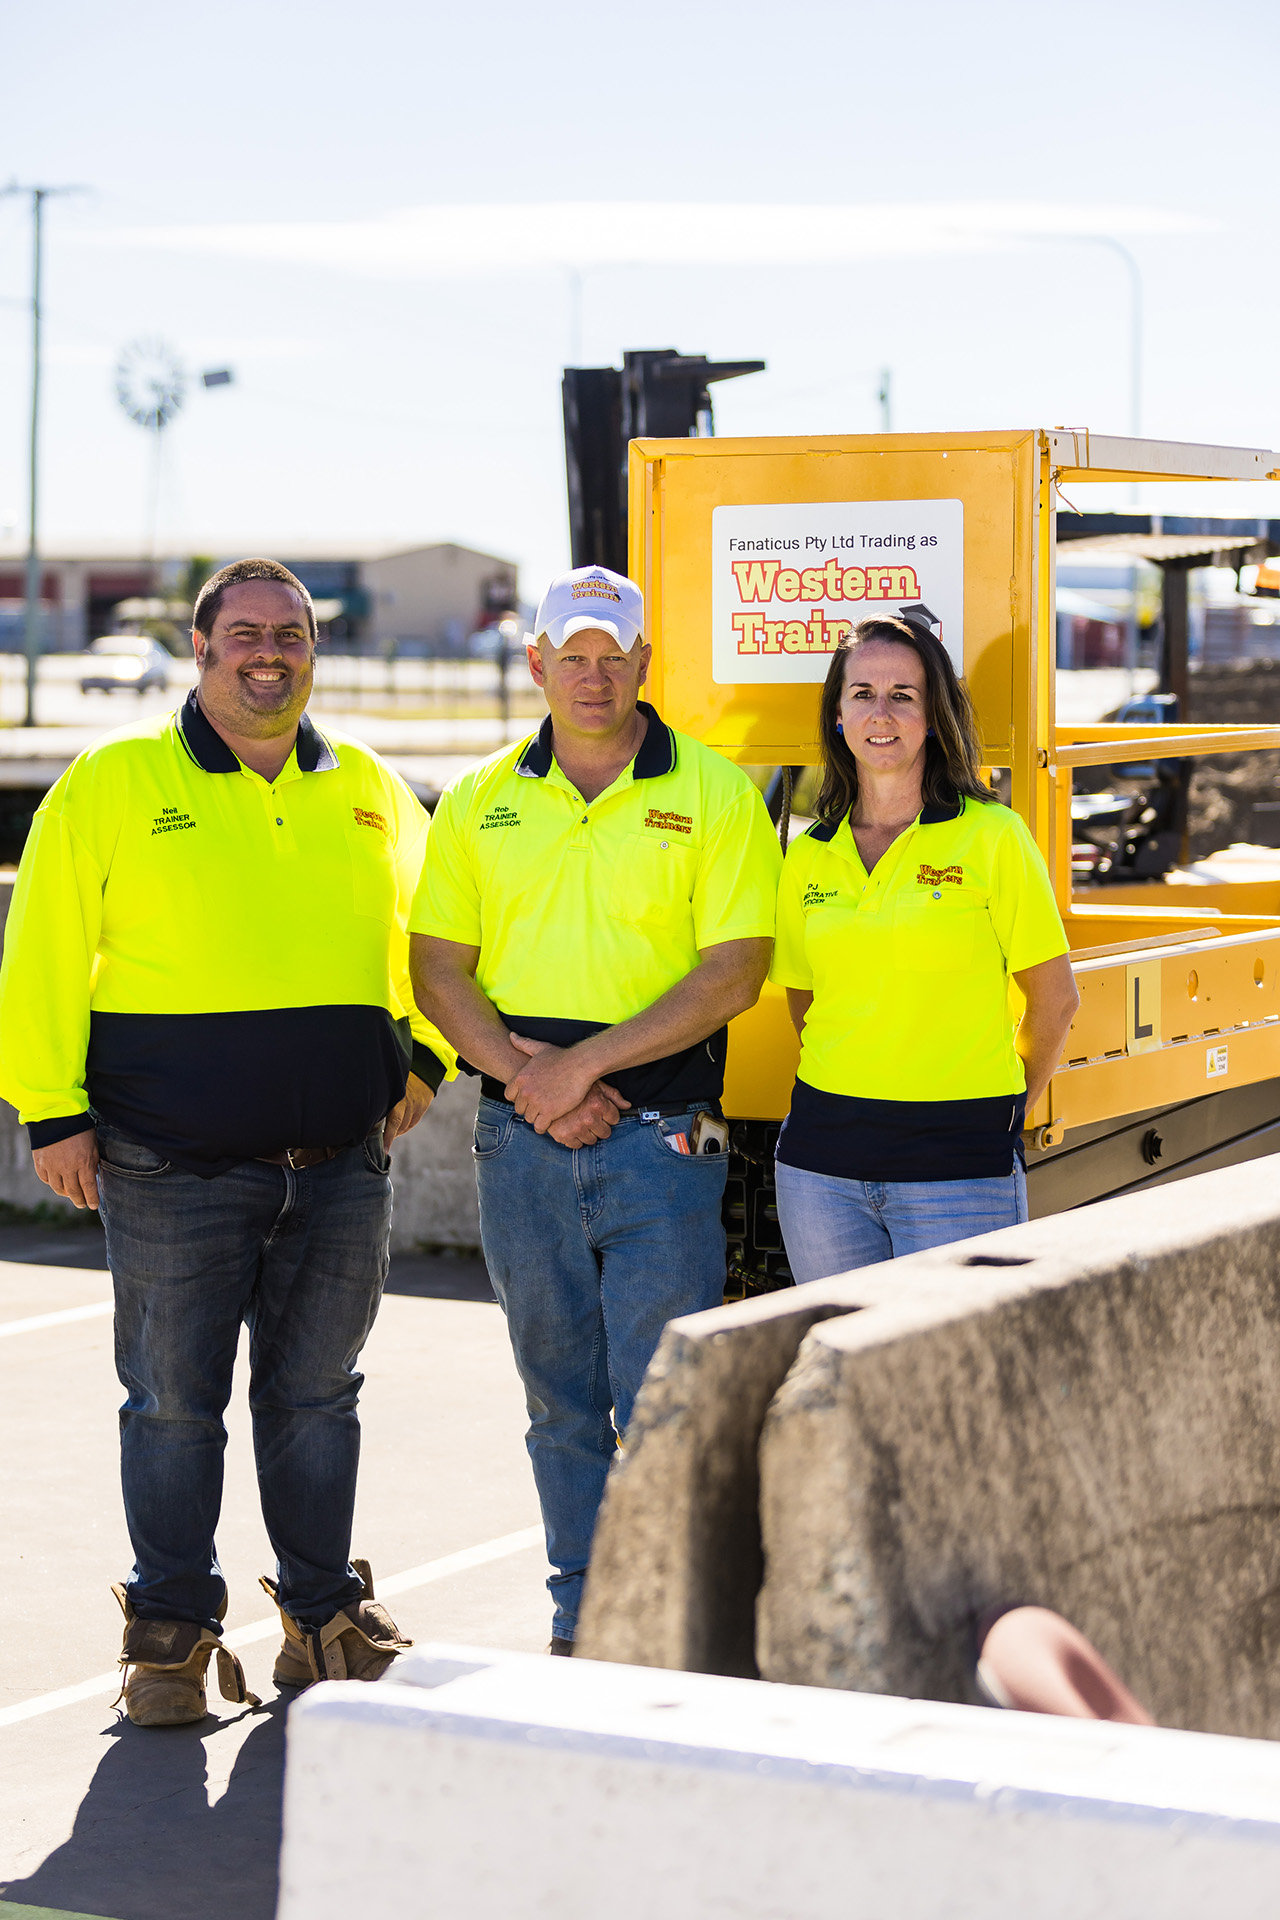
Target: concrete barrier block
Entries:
(676, 1560)
(19, 1186)
(506, 1786)
(1092, 1425)
(433, 1173)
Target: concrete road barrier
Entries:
(508, 1786)
(1095, 1429)
(1082, 1412)
(676, 1562)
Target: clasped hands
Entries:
(556, 1094)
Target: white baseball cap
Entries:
(591, 597)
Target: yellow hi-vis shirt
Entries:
(586, 913)
(215, 963)
(911, 1031)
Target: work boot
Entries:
(359, 1643)
(164, 1663)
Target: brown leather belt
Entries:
(299, 1158)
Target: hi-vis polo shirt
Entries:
(585, 913)
(908, 1069)
(216, 964)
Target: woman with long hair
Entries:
(903, 914)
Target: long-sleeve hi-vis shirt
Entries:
(214, 962)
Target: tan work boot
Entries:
(359, 1643)
(164, 1663)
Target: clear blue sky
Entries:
(407, 404)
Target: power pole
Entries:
(31, 624)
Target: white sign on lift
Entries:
(790, 582)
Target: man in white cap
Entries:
(596, 904)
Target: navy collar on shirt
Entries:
(935, 814)
(211, 753)
(657, 754)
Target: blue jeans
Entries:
(591, 1251)
(300, 1258)
(832, 1226)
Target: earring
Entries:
(840, 728)
(931, 735)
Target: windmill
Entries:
(151, 385)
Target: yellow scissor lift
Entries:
(755, 555)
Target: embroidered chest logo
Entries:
(818, 896)
(364, 818)
(500, 817)
(940, 877)
(669, 822)
(171, 820)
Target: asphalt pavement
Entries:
(102, 1818)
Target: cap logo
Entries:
(591, 597)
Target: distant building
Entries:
(433, 597)
(419, 600)
(76, 598)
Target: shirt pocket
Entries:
(937, 930)
(373, 874)
(652, 881)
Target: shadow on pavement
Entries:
(445, 1275)
(440, 1276)
(147, 1845)
(79, 1244)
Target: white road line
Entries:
(60, 1319)
(424, 1576)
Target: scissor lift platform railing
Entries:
(1179, 1003)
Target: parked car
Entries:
(124, 661)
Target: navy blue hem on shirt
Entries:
(850, 1138)
(211, 1090)
(678, 1079)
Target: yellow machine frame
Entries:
(1177, 1000)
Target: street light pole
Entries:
(1135, 390)
(31, 621)
(883, 395)
(1135, 324)
(1135, 308)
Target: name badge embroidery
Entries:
(940, 876)
(171, 820)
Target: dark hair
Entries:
(952, 754)
(209, 598)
